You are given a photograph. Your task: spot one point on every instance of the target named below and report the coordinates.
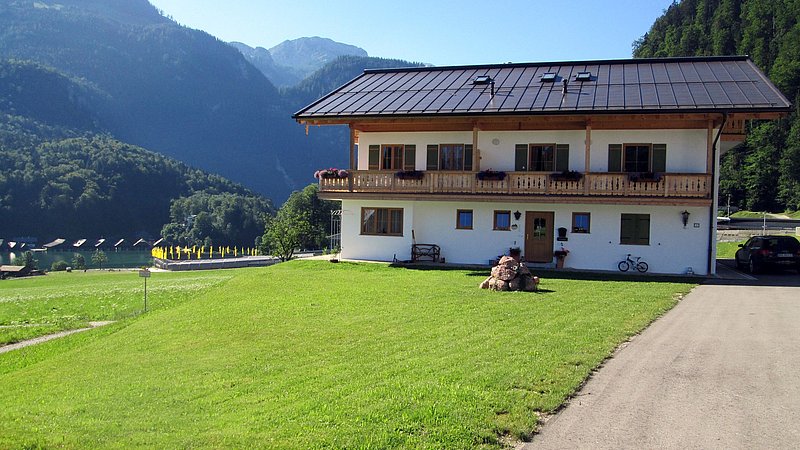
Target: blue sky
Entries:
(439, 32)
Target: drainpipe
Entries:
(712, 236)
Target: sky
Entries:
(438, 32)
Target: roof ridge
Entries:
(564, 63)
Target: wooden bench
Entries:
(425, 252)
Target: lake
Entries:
(116, 259)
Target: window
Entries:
(635, 229)
(502, 220)
(464, 219)
(449, 157)
(392, 157)
(581, 222)
(637, 158)
(548, 77)
(382, 221)
(541, 157)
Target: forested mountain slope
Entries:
(764, 173)
(60, 177)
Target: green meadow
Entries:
(310, 354)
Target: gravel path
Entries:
(49, 337)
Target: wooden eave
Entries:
(681, 120)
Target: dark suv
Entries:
(775, 251)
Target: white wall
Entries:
(686, 149)
(672, 248)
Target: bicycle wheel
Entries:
(642, 267)
(623, 266)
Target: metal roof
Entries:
(656, 85)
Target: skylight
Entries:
(482, 79)
(583, 76)
(549, 77)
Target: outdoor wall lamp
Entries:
(685, 217)
(517, 215)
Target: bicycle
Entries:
(626, 265)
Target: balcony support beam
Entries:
(587, 163)
(353, 165)
(476, 158)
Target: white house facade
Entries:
(598, 158)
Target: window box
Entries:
(491, 175)
(410, 175)
(567, 175)
(644, 176)
(331, 173)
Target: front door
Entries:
(539, 236)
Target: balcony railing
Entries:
(682, 185)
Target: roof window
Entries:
(549, 77)
(583, 76)
(482, 79)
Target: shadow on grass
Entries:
(557, 274)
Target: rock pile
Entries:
(510, 275)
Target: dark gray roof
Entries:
(658, 85)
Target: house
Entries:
(600, 158)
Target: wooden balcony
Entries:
(524, 184)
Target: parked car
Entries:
(760, 252)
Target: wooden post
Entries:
(476, 160)
(586, 169)
(353, 165)
(710, 148)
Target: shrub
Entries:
(58, 266)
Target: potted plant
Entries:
(644, 176)
(331, 173)
(560, 255)
(489, 174)
(567, 175)
(410, 174)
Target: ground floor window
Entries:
(502, 220)
(635, 229)
(464, 219)
(382, 221)
(580, 222)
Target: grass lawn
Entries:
(60, 301)
(312, 354)
(727, 250)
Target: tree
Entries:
(317, 213)
(78, 261)
(285, 233)
(27, 260)
(98, 258)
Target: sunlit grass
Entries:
(320, 355)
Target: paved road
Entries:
(721, 370)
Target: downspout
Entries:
(712, 235)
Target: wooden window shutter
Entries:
(615, 157)
(659, 158)
(410, 157)
(468, 157)
(627, 229)
(521, 157)
(374, 157)
(643, 229)
(562, 157)
(433, 157)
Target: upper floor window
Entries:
(449, 157)
(541, 157)
(392, 157)
(382, 221)
(637, 157)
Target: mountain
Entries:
(261, 58)
(152, 83)
(61, 177)
(764, 173)
(289, 62)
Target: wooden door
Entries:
(539, 236)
